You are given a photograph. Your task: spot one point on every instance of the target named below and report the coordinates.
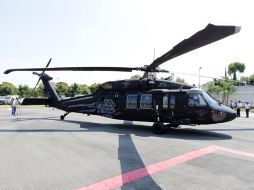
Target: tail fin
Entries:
(53, 96)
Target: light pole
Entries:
(199, 76)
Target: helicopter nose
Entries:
(231, 115)
(223, 114)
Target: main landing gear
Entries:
(63, 116)
(159, 127)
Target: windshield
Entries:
(196, 99)
(209, 99)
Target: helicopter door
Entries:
(139, 107)
(197, 107)
(146, 106)
(181, 106)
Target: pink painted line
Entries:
(128, 177)
(239, 152)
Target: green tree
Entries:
(244, 79)
(235, 67)
(213, 87)
(135, 76)
(73, 90)
(228, 88)
(221, 86)
(61, 88)
(94, 87)
(24, 91)
(7, 88)
(84, 89)
(251, 79)
(39, 91)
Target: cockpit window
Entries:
(209, 99)
(196, 99)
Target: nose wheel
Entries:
(158, 128)
(63, 116)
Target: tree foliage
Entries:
(84, 89)
(135, 76)
(7, 88)
(245, 80)
(235, 67)
(251, 79)
(62, 88)
(94, 87)
(225, 88)
(73, 90)
(40, 91)
(24, 91)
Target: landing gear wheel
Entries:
(158, 128)
(64, 115)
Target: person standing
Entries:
(231, 104)
(14, 102)
(247, 109)
(238, 108)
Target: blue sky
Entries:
(118, 33)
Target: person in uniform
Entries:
(247, 109)
(238, 108)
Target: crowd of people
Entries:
(238, 105)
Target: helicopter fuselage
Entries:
(180, 106)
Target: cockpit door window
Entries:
(196, 99)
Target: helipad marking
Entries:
(239, 152)
(127, 177)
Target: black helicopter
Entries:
(145, 99)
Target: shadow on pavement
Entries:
(130, 160)
(125, 128)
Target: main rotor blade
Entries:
(204, 37)
(122, 69)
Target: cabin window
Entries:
(146, 101)
(172, 102)
(165, 102)
(131, 102)
(196, 100)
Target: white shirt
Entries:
(238, 105)
(14, 103)
(247, 106)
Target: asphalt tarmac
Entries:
(39, 151)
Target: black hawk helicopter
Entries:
(145, 99)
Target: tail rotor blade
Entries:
(40, 77)
(48, 62)
(35, 86)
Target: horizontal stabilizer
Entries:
(35, 101)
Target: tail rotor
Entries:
(40, 76)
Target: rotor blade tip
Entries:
(7, 71)
(237, 29)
